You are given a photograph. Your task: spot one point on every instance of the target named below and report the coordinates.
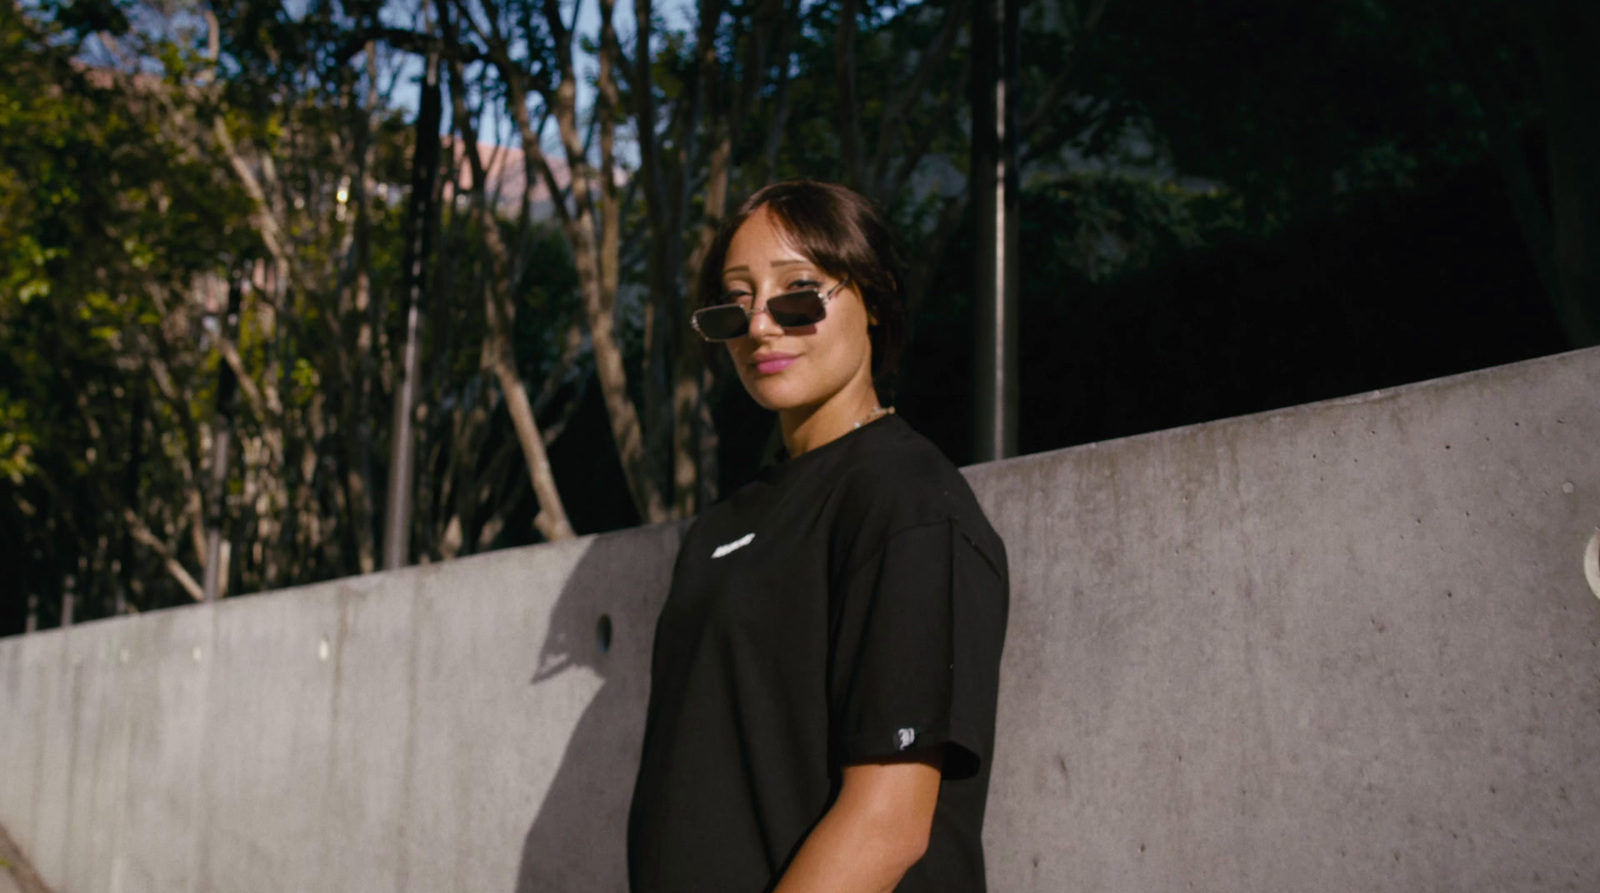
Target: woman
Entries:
(823, 682)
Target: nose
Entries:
(761, 324)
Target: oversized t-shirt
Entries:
(848, 605)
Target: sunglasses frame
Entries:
(749, 314)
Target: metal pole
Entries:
(402, 443)
(130, 491)
(221, 440)
(32, 623)
(995, 196)
(68, 597)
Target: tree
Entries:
(1561, 222)
(266, 152)
(749, 92)
(1399, 95)
(106, 221)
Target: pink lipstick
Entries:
(772, 363)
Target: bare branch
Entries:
(499, 358)
(933, 58)
(247, 385)
(844, 74)
(1058, 84)
(596, 279)
(917, 148)
(140, 532)
(266, 223)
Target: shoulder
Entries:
(890, 464)
(896, 479)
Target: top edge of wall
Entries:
(1381, 395)
(375, 579)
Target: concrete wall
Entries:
(1347, 646)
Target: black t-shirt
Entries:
(848, 605)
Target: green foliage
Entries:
(1304, 108)
(1104, 225)
(16, 441)
(106, 217)
(136, 176)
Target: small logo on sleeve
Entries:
(734, 546)
(905, 737)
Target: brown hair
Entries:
(843, 233)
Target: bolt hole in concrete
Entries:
(602, 633)
(1591, 563)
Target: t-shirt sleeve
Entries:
(917, 649)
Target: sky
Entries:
(676, 14)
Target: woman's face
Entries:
(801, 368)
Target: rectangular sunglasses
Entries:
(791, 310)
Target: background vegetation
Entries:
(205, 209)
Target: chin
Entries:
(772, 393)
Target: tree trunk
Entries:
(664, 213)
(1565, 37)
(552, 518)
(844, 73)
(1552, 229)
(500, 317)
(599, 300)
(358, 460)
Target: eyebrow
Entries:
(742, 268)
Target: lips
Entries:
(768, 364)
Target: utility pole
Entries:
(221, 442)
(995, 199)
(419, 231)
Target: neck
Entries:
(806, 428)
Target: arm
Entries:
(874, 832)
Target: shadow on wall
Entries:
(578, 838)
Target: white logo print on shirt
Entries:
(737, 544)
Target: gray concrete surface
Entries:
(1341, 647)
(16, 872)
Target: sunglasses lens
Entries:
(793, 310)
(722, 322)
(796, 309)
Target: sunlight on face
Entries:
(796, 369)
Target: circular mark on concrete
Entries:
(1567, 487)
(1591, 563)
(602, 633)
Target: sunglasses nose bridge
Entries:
(761, 322)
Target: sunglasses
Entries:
(791, 310)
